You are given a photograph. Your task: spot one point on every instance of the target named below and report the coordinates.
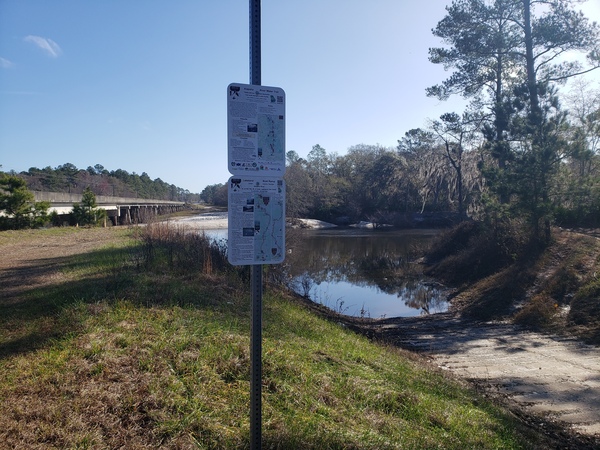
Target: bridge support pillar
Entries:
(124, 215)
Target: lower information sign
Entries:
(256, 231)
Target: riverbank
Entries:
(549, 374)
(101, 349)
(218, 220)
(519, 333)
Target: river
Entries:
(364, 272)
(358, 272)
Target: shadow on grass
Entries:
(39, 300)
(36, 296)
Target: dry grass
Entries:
(182, 249)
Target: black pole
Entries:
(256, 332)
(256, 360)
(255, 61)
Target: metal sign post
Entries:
(255, 60)
(256, 202)
(256, 360)
(256, 195)
(256, 275)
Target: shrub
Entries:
(539, 312)
(19, 208)
(472, 251)
(86, 213)
(585, 306)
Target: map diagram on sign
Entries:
(270, 138)
(269, 221)
(256, 229)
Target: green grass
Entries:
(129, 354)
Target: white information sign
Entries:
(256, 130)
(256, 230)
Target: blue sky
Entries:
(140, 85)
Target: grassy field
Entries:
(143, 342)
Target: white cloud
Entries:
(46, 44)
(6, 64)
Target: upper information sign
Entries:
(256, 130)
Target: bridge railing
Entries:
(119, 210)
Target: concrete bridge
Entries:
(119, 210)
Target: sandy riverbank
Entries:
(218, 221)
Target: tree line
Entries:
(18, 208)
(524, 148)
(117, 183)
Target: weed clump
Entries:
(539, 312)
(585, 306)
(176, 247)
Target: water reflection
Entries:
(363, 273)
(356, 272)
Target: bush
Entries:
(86, 213)
(588, 216)
(453, 241)
(471, 251)
(18, 206)
(585, 306)
(539, 312)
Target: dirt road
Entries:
(556, 378)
